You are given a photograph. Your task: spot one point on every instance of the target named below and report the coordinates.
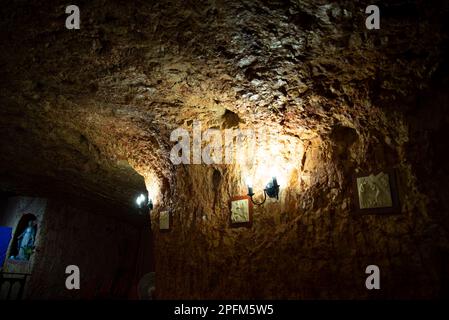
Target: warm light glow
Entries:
(152, 184)
(273, 173)
(277, 157)
(153, 187)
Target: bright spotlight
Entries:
(140, 199)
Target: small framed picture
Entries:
(241, 214)
(164, 220)
(376, 193)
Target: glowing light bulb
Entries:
(249, 182)
(140, 199)
(272, 172)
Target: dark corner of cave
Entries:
(224, 150)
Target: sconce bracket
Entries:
(272, 190)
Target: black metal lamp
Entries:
(271, 189)
(150, 204)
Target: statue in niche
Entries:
(374, 191)
(25, 242)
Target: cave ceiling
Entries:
(92, 109)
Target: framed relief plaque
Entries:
(241, 214)
(164, 220)
(376, 193)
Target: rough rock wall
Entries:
(309, 244)
(89, 106)
(312, 243)
(92, 104)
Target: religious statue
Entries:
(25, 242)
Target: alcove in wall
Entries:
(19, 230)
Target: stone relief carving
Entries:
(240, 211)
(374, 191)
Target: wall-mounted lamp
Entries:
(143, 203)
(271, 189)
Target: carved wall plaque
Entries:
(241, 211)
(374, 191)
